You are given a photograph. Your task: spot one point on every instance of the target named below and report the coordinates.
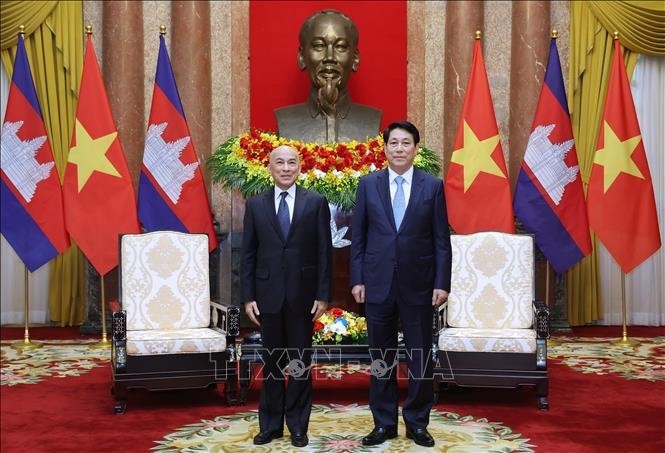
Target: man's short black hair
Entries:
(403, 124)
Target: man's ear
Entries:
(301, 60)
(356, 60)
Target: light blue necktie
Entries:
(398, 202)
(283, 214)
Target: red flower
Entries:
(336, 312)
(317, 326)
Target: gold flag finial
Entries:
(88, 29)
(478, 33)
(555, 33)
(21, 29)
(616, 34)
(162, 30)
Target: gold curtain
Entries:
(641, 27)
(54, 45)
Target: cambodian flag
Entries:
(30, 191)
(549, 199)
(172, 193)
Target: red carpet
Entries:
(589, 412)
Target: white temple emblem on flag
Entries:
(546, 160)
(162, 159)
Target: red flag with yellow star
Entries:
(620, 200)
(99, 198)
(477, 187)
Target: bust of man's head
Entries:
(329, 51)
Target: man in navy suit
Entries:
(400, 267)
(286, 279)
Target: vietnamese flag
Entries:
(477, 187)
(621, 204)
(98, 193)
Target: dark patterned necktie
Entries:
(283, 214)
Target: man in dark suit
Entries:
(286, 280)
(400, 267)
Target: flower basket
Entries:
(337, 326)
(333, 170)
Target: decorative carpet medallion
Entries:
(340, 428)
(56, 358)
(645, 361)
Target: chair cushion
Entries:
(487, 340)
(164, 278)
(182, 341)
(492, 281)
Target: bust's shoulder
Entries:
(297, 110)
(365, 110)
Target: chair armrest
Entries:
(439, 318)
(119, 341)
(226, 318)
(541, 316)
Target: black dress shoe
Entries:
(420, 436)
(265, 437)
(299, 439)
(379, 435)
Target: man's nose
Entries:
(330, 53)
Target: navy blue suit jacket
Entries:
(419, 251)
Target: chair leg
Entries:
(541, 392)
(543, 404)
(120, 392)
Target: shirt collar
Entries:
(291, 191)
(407, 175)
(343, 104)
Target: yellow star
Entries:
(615, 157)
(476, 156)
(89, 155)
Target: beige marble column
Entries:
(190, 57)
(123, 76)
(240, 94)
(528, 60)
(462, 20)
(415, 69)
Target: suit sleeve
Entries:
(324, 246)
(358, 236)
(444, 255)
(248, 256)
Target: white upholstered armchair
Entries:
(169, 334)
(491, 331)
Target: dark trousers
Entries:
(382, 324)
(287, 381)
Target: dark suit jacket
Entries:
(298, 268)
(420, 251)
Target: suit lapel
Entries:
(269, 207)
(417, 183)
(299, 207)
(383, 188)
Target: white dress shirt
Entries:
(406, 184)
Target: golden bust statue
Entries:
(329, 51)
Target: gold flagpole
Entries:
(624, 341)
(104, 342)
(26, 343)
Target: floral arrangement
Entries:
(333, 170)
(337, 326)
